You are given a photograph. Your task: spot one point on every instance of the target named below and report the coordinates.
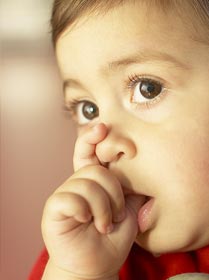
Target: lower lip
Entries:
(144, 216)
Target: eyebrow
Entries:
(144, 57)
(137, 58)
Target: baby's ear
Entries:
(190, 276)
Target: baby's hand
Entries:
(88, 225)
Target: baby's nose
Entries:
(115, 146)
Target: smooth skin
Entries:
(135, 148)
(80, 214)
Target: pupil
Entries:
(90, 110)
(150, 90)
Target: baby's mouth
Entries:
(147, 198)
(128, 191)
(142, 198)
(145, 216)
(144, 212)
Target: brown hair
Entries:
(66, 12)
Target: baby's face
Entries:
(146, 78)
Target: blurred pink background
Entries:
(36, 135)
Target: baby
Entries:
(136, 82)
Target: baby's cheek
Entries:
(191, 156)
(200, 160)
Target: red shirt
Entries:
(140, 264)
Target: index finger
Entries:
(84, 153)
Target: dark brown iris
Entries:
(150, 89)
(90, 110)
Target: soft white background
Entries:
(36, 136)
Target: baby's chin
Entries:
(156, 252)
(161, 245)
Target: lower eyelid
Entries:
(151, 103)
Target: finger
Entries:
(129, 227)
(111, 186)
(64, 205)
(134, 202)
(96, 199)
(84, 153)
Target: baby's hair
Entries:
(66, 12)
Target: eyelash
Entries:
(134, 79)
(130, 84)
(70, 106)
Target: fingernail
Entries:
(109, 229)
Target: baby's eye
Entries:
(85, 111)
(145, 90)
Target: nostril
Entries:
(105, 164)
(119, 155)
(114, 148)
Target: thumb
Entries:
(134, 203)
(124, 233)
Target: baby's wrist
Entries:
(53, 272)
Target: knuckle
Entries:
(79, 185)
(95, 169)
(53, 202)
(92, 171)
(85, 187)
(88, 187)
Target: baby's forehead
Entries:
(165, 23)
(102, 40)
(194, 14)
